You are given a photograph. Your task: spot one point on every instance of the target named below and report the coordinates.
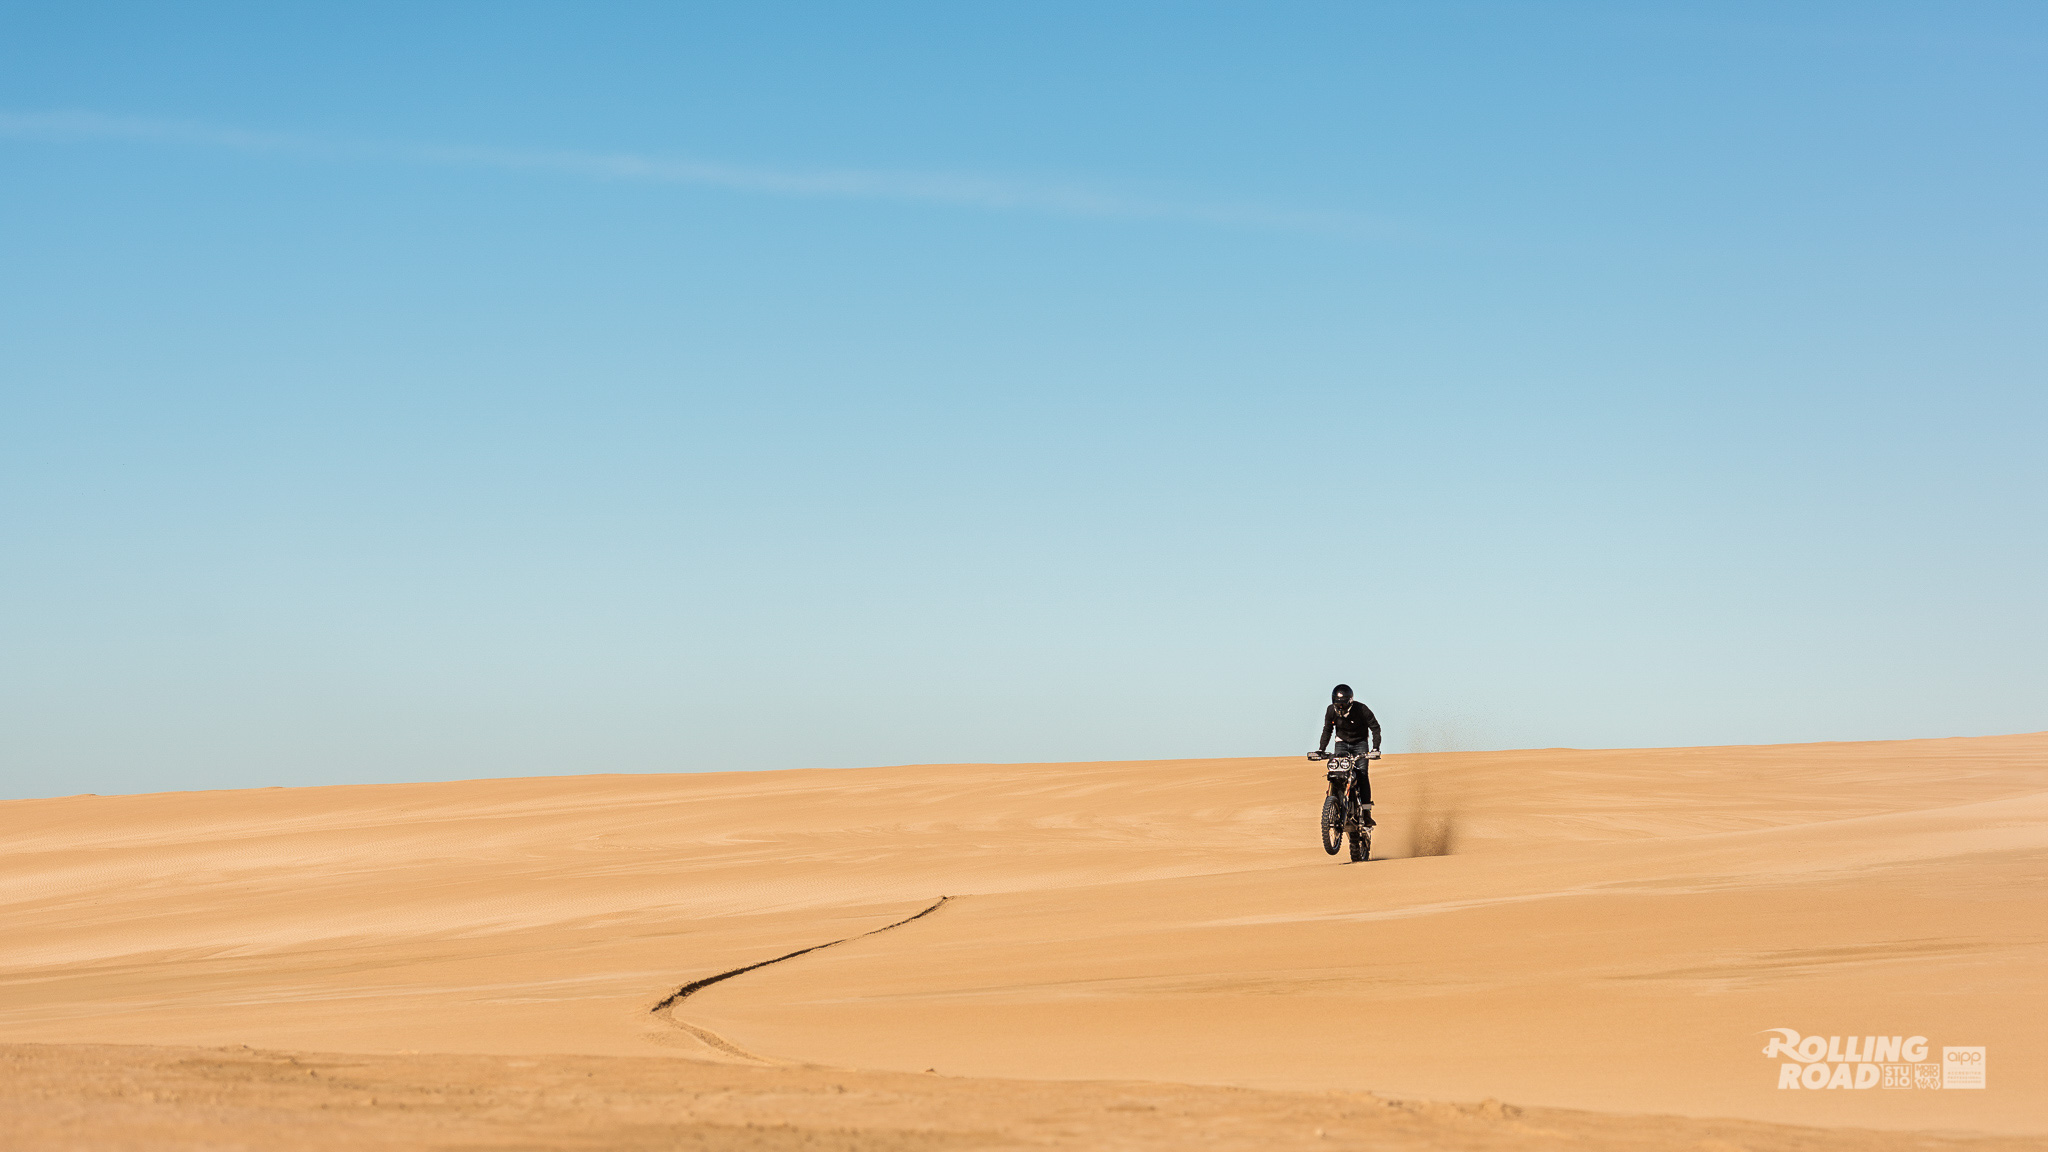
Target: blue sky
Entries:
(516, 389)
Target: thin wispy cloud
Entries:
(831, 183)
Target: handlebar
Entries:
(1372, 755)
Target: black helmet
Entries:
(1340, 695)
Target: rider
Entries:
(1353, 722)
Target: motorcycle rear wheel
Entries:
(1361, 839)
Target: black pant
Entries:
(1361, 784)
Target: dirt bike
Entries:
(1343, 813)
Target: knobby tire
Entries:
(1361, 836)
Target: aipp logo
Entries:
(1962, 1067)
(1867, 1061)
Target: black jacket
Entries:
(1351, 725)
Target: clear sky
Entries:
(401, 391)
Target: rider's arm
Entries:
(1372, 722)
(1329, 722)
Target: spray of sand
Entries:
(1433, 829)
(1434, 821)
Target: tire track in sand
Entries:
(721, 1043)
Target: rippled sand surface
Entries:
(1554, 945)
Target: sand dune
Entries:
(1613, 931)
(135, 1096)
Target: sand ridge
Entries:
(134, 1096)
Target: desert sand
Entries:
(1551, 948)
